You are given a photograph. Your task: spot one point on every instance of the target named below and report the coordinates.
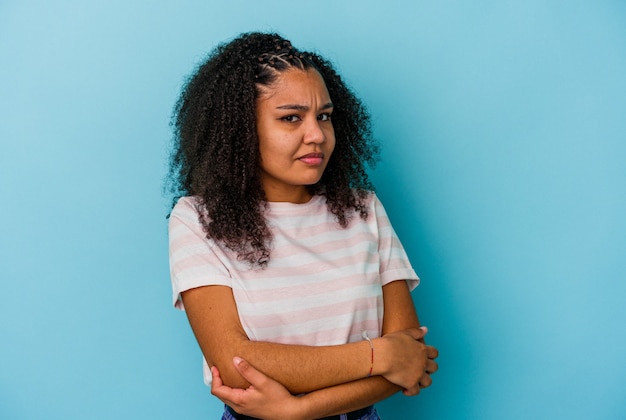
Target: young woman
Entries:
(294, 282)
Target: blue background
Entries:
(503, 172)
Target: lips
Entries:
(312, 158)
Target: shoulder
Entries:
(375, 209)
(187, 211)
(186, 206)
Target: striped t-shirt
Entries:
(322, 285)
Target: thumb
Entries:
(424, 331)
(249, 372)
(418, 333)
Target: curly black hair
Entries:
(215, 153)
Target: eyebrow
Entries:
(297, 107)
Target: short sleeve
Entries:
(394, 263)
(194, 259)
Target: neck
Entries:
(296, 196)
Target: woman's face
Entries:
(296, 136)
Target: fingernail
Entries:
(423, 328)
(237, 360)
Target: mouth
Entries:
(312, 158)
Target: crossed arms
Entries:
(260, 378)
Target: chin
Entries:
(312, 182)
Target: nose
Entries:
(314, 132)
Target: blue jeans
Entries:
(370, 415)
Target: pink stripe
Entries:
(270, 294)
(287, 249)
(306, 315)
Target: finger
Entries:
(432, 352)
(431, 366)
(221, 391)
(411, 392)
(425, 381)
(216, 378)
(425, 331)
(417, 333)
(249, 372)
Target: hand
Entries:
(406, 359)
(431, 367)
(264, 398)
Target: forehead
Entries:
(295, 84)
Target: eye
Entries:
(324, 117)
(291, 118)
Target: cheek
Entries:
(267, 153)
(274, 150)
(330, 140)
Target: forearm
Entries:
(303, 369)
(214, 319)
(267, 398)
(345, 397)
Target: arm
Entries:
(213, 316)
(268, 399)
(399, 315)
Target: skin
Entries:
(296, 139)
(296, 136)
(268, 399)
